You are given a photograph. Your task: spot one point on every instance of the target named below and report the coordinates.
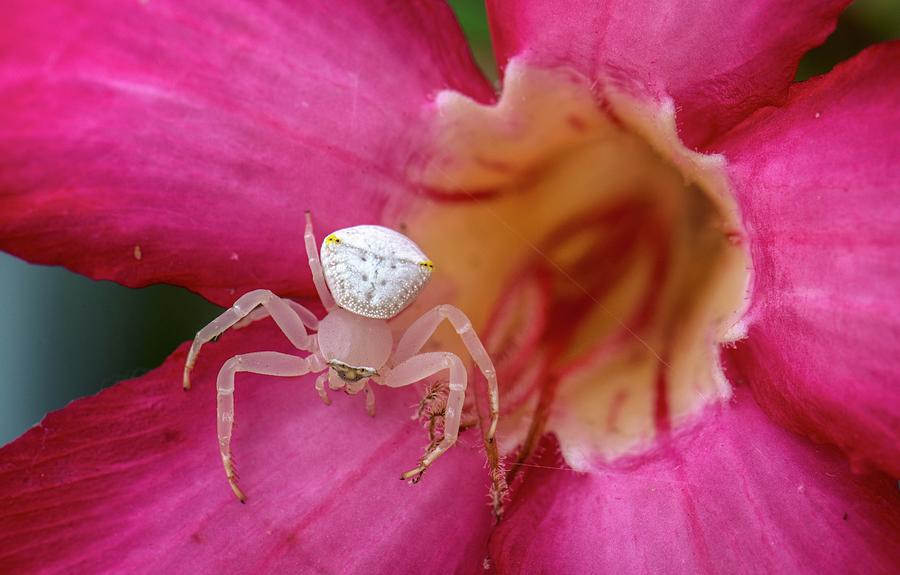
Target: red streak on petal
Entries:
(698, 534)
(578, 124)
(494, 165)
(661, 410)
(459, 194)
(607, 108)
(290, 538)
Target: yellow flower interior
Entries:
(601, 260)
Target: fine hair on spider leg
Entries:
(431, 411)
(434, 391)
(433, 407)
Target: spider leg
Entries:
(320, 387)
(370, 399)
(315, 266)
(418, 368)
(284, 315)
(263, 362)
(413, 341)
(423, 328)
(433, 418)
(436, 414)
(308, 318)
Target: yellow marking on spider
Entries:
(427, 264)
(332, 239)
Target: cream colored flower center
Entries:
(601, 261)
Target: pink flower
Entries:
(703, 322)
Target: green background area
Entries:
(63, 336)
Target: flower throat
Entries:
(602, 259)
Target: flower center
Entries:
(600, 259)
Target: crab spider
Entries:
(371, 274)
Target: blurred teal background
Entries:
(63, 336)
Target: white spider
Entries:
(371, 274)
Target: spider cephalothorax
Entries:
(370, 274)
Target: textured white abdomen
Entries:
(374, 271)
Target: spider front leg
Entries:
(290, 322)
(418, 368)
(424, 327)
(263, 362)
(413, 340)
(315, 266)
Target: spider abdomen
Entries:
(374, 271)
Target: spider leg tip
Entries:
(413, 475)
(238, 492)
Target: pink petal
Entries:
(817, 183)
(182, 141)
(737, 495)
(719, 61)
(130, 481)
